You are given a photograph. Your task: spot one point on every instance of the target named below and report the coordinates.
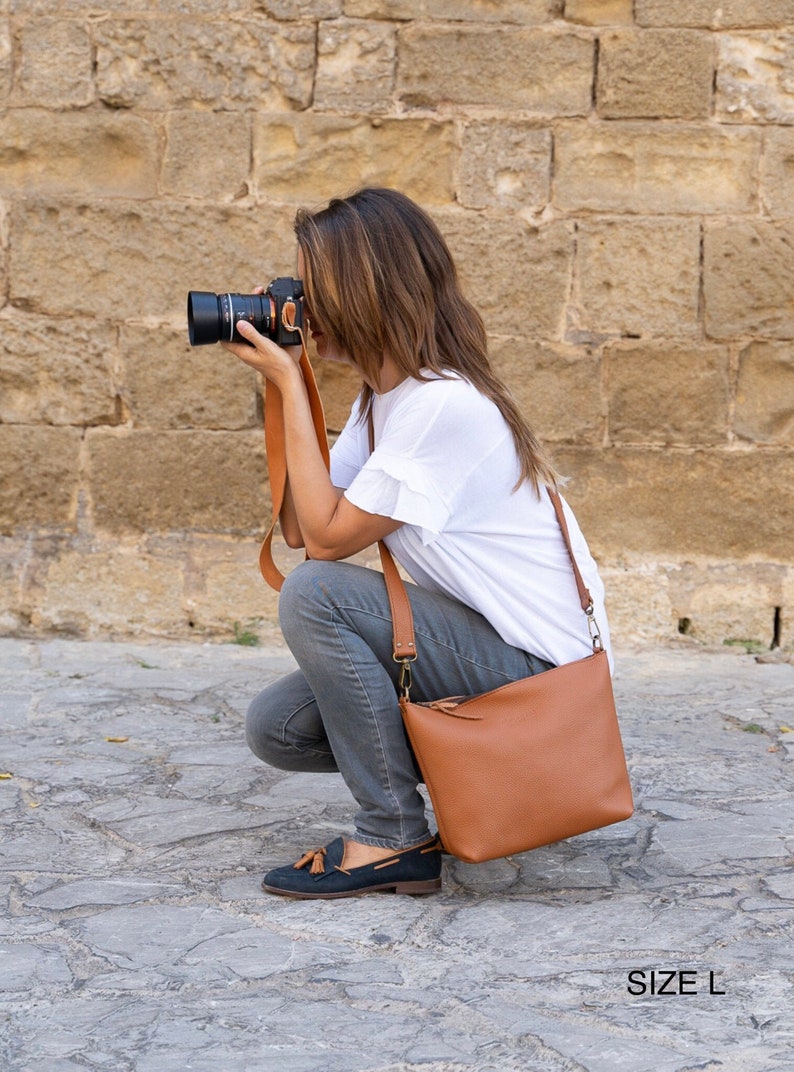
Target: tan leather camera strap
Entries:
(277, 458)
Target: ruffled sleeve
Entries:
(400, 488)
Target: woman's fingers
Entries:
(263, 354)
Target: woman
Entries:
(455, 486)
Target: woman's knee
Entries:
(261, 730)
(315, 592)
(284, 729)
(306, 585)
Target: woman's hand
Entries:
(263, 354)
(314, 514)
(277, 363)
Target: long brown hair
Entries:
(379, 279)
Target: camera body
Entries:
(214, 317)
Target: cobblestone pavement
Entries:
(135, 935)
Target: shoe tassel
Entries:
(315, 857)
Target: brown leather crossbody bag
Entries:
(529, 763)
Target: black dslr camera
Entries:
(213, 317)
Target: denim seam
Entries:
(308, 751)
(287, 721)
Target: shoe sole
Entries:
(413, 889)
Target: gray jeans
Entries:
(340, 710)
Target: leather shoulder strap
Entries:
(403, 640)
(584, 595)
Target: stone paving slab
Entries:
(134, 935)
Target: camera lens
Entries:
(203, 317)
(212, 317)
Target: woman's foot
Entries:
(349, 868)
(357, 854)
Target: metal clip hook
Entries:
(406, 677)
(595, 632)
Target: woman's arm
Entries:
(324, 520)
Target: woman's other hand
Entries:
(276, 363)
(262, 353)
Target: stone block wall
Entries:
(615, 177)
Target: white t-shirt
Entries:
(444, 464)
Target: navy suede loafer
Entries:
(319, 874)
